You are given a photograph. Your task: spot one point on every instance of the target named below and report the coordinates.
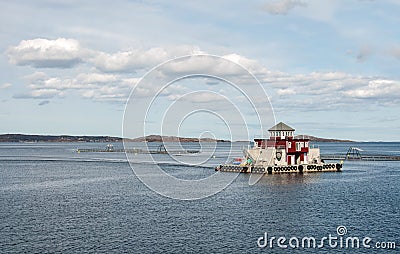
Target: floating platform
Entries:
(364, 157)
(160, 150)
(355, 154)
(139, 151)
(328, 167)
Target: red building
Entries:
(282, 139)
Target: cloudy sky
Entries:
(330, 68)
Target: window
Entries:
(298, 146)
(289, 145)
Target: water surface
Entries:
(55, 200)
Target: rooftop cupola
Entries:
(281, 130)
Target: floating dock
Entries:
(355, 154)
(160, 150)
(370, 157)
(282, 152)
(329, 167)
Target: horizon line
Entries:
(111, 136)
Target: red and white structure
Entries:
(281, 152)
(294, 150)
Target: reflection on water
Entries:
(289, 179)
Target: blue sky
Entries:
(330, 68)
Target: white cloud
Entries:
(331, 91)
(200, 97)
(282, 7)
(376, 89)
(63, 53)
(312, 91)
(46, 93)
(233, 67)
(44, 53)
(286, 91)
(5, 86)
(96, 78)
(40, 94)
(106, 93)
(96, 86)
(130, 61)
(305, 90)
(36, 76)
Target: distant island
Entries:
(158, 138)
(316, 139)
(24, 138)
(56, 138)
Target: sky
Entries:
(328, 68)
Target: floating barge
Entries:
(280, 153)
(160, 150)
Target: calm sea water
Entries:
(53, 199)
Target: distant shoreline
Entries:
(27, 138)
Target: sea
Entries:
(54, 199)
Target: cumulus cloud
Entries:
(231, 66)
(44, 53)
(312, 91)
(96, 86)
(107, 93)
(41, 93)
(90, 78)
(5, 86)
(286, 91)
(332, 90)
(67, 53)
(283, 6)
(130, 61)
(110, 76)
(376, 89)
(200, 97)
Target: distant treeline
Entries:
(68, 138)
(51, 138)
(316, 139)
